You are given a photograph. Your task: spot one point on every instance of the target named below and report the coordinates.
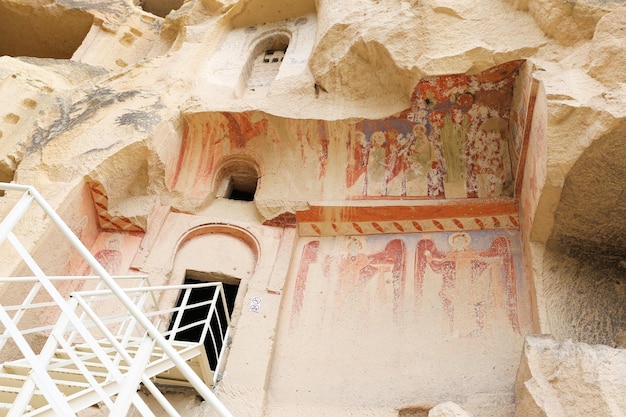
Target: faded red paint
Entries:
(356, 270)
(324, 142)
(355, 276)
(447, 210)
(309, 255)
(461, 268)
(282, 220)
(378, 227)
(241, 129)
(465, 119)
(398, 226)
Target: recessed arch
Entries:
(264, 61)
(241, 243)
(213, 253)
(237, 179)
(585, 257)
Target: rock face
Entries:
(410, 187)
(448, 409)
(570, 379)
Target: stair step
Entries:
(5, 407)
(61, 374)
(87, 354)
(72, 383)
(12, 380)
(65, 386)
(8, 395)
(133, 345)
(63, 368)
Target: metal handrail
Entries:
(136, 319)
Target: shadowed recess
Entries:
(42, 32)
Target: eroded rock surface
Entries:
(570, 379)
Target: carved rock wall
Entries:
(143, 97)
(569, 379)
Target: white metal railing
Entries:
(138, 332)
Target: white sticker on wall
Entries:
(255, 304)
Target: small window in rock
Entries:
(238, 181)
(241, 195)
(273, 56)
(264, 64)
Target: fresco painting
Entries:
(468, 284)
(453, 142)
(521, 106)
(457, 307)
(371, 272)
(114, 251)
(461, 137)
(83, 222)
(207, 138)
(477, 285)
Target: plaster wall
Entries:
(356, 308)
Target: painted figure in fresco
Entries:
(409, 155)
(476, 285)
(309, 256)
(357, 280)
(453, 142)
(434, 181)
(377, 165)
(363, 278)
(418, 162)
(397, 163)
(359, 161)
(390, 157)
(487, 151)
(110, 258)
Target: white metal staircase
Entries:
(99, 345)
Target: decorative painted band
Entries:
(446, 217)
(408, 226)
(105, 219)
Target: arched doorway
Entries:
(213, 254)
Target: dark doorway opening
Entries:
(218, 325)
(241, 195)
